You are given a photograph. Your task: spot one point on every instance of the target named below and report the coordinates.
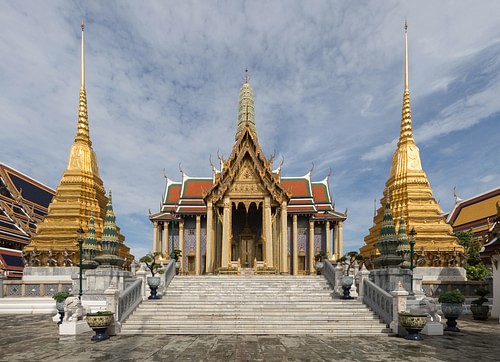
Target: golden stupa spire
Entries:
(246, 112)
(83, 119)
(79, 196)
(406, 133)
(410, 190)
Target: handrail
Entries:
(169, 272)
(329, 272)
(129, 299)
(378, 300)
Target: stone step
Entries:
(252, 305)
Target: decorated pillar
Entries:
(198, 245)
(311, 247)
(295, 247)
(155, 236)
(340, 240)
(268, 230)
(226, 232)
(166, 239)
(210, 239)
(328, 240)
(181, 242)
(284, 239)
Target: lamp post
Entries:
(80, 247)
(412, 252)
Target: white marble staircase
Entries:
(252, 305)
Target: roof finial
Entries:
(246, 75)
(406, 54)
(82, 80)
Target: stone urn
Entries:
(413, 323)
(346, 283)
(479, 312)
(319, 267)
(451, 312)
(154, 283)
(99, 322)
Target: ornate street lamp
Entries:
(80, 247)
(412, 252)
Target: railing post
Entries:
(363, 275)
(112, 298)
(339, 272)
(398, 305)
(2, 277)
(142, 274)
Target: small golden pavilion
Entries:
(247, 216)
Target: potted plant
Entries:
(319, 264)
(480, 311)
(347, 261)
(451, 304)
(60, 298)
(413, 322)
(150, 260)
(99, 322)
(177, 255)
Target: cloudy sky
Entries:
(163, 80)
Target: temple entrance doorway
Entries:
(247, 230)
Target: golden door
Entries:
(246, 251)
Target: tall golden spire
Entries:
(82, 133)
(80, 193)
(410, 190)
(246, 112)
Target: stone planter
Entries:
(346, 283)
(154, 283)
(451, 312)
(413, 323)
(319, 267)
(60, 310)
(99, 322)
(479, 312)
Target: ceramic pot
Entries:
(413, 323)
(479, 312)
(154, 283)
(451, 312)
(346, 283)
(99, 322)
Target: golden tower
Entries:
(411, 198)
(79, 195)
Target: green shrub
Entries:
(452, 296)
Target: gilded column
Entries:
(210, 240)
(295, 247)
(311, 247)
(181, 243)
(340, 239)
(269, 241)
(284, 239)
(328, 240)
(226, 233)
(155, 236)
(198, 245)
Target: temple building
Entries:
(79, 196)
(477, 213)
(248, 217)
(410, 195)
(23, 204)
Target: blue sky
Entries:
(163, 80)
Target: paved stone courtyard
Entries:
(36, 338)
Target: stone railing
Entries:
(329, 273)
(19, 288)
(378, 300)
(436, 287)
(169, 272)
(129, 299)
